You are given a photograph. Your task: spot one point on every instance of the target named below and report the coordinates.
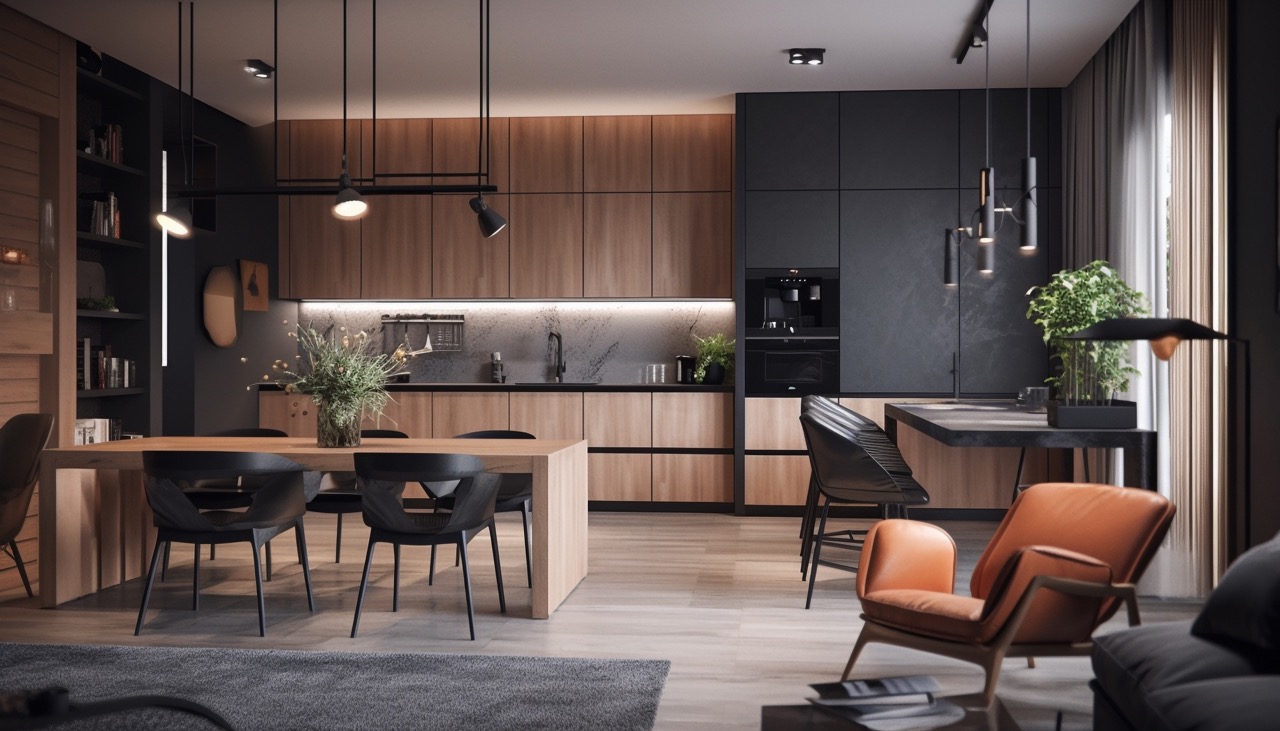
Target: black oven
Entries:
(796, 366)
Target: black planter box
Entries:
(1119, 415)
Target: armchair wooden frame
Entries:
(990, 655)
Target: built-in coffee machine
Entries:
(792, 300)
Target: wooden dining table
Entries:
(96, 529)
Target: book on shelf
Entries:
(104, 215)
(107, 142)
(96, 431)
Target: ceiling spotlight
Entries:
(259, 68)
(807, 56)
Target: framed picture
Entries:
(254, 283)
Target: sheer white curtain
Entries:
(1116, 190)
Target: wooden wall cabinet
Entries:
(617, 154)
(546, 155)
(693, 152)
(396, 248)
(324, 251)
(455, 145)
(546, 246)
(617, 245)
(466, 265)
(692, 244)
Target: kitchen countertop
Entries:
(545, 387)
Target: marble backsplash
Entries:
(604, 342)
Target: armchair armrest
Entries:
(906, 554)
(1077, 586)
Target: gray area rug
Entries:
(281, 689)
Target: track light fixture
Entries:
(175, 217)
(1029, 240)
(489, 220)
(349, 204)
(806, 56)
(259, 68)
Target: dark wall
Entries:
(1253, 159)
(205, 386)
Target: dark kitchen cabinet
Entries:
(792, 229)
(899, 139)
(791, 141)
(898, 322)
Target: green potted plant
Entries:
(347, 377)
(715, 359)
(1090, 372)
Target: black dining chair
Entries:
(852, 466)
(21, 440)
(278, 503)
(514, 493)
(382, 477)
(340, 494)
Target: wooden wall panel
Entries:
(623, 477)
(617, 245)
(693, 152)
(692, 244)
(617, 154)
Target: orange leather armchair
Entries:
(1062, 561)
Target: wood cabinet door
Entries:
(692, 244)
(546, 155)
(618, 419)
(464, 263)
(693, 152)
(547, 415)
(292, 413)
(692, 420)
(773, 423)
(621, 477)
(546, 246)
(397, 146)
(315, 150)
(406, 411)
(617, 154)
(458, 413)
(617, 245)
(396, 255)
(455, 145)
(324, 251)
(693, 478)
(775, 479)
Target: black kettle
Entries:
(684, 368)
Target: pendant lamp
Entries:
(1030, 238)
(175, 217)
(349, 203)
(489, 220)
(987, 182)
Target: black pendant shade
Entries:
(490, 221)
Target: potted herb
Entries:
(715, 359)
(1091, 372)
(347, 377)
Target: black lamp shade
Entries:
(951, 260)
(349, 203)
(1029, 211)
(987, 198)
(986, 258)
(490, 221)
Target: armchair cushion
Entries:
(1054, 616)
(1245, 607)
(906, 554)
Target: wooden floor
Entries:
(717, 595)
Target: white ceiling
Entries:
(581, 57)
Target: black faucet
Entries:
(559, 367)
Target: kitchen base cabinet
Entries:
(547, 415)
(295, 413)
(775, 479)
(458, 413)
(619, 477)
(693, 478)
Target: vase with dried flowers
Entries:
(345, 374)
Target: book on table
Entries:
(900, 690)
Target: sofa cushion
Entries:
(1223, 704)
(1245, 607)
(1135, 664)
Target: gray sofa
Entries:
(1220, 671)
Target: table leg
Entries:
(68, 540)
(559, 527)
(1140, 464)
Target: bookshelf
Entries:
(117, 248)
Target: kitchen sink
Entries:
(553, 383)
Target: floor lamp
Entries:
(1164, 334)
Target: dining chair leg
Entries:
(22, 570)
(301, 536)
(213, 551)
(806, 528)
(1017, 477)
(164, 567)
(528, 545)
(466, 584)
(364, 584)
(146, 591)
(431, 573)
(269, 561)
(195, 582)
(497, 565)
(817, 552)
(395, 581)
(337, 547)
(257, 580)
